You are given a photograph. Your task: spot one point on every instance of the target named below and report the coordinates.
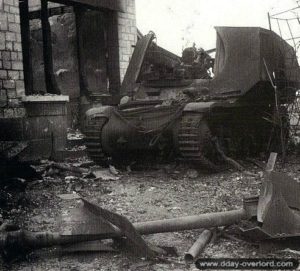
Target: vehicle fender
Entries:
(199, 107)
(98, 112)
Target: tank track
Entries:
(93, 141)
(194, 140)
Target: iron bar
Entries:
(36, 240)
(83, 82)
(191, 222)
(194, 252)
(269, 20)
(295, 47)
(285, 11)
(25, 34)
(279, 28)
(277, 111)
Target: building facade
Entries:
(89, 47)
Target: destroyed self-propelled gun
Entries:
(197, 106)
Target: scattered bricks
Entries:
(14, 75)
(17, 46)
(3, 74)
(2, 41)
(14, 28)
(9, 46)
(10, 36)
(6, 64)
(17, 65)
(9, 84)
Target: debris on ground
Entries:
(105, 174)
(140, 196)
(192, 173)
(69, 196)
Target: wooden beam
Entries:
(36, 14)
(51, 84)
(117, 5)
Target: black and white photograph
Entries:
(149, 135)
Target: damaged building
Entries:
(56, 59)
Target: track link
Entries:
(93, 141)
(194, 140)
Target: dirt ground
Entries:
(153, 192)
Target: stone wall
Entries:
(127, 32)
(11, 63)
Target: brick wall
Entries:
(127, 32)
(11, 65)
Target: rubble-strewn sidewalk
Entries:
(163, 191)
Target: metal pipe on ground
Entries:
(45, 239)
(198, 246)
(209, 220)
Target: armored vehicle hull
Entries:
(191, 107)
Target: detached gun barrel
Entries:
(35, 240)
(16, 240)
(208, 220)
